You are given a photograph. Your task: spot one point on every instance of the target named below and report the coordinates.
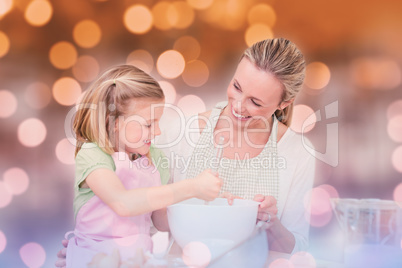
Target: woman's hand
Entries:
(207, 185)
(267, 210)
(230, 197)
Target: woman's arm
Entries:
(159, 218)
(107, 186)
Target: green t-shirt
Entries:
(91, 157)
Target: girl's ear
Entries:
(285, 104)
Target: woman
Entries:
(263, 159)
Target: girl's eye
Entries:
(256, 104)
(148, 126)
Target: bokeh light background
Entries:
(51, 50)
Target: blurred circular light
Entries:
(303, 259)
(200, 4)
(394, 109)
(16, 180)
(188, 46)
(31, 132)
(38, 95)
(196, 254)
(5, 7)
(4, 44)
(66, 91)
(5, 195)
(33, 255)
(395, 128)
(319, 220)
(320, 203)
(262, 13)
(170, 64)
(8, 104)
(332, 192)
(397, 159)
(376, 73)
(196, 73)
(3, 242)
(160, 13)
(63, 55)
(38, 12)
(398, 190)
(303, 118)
(191, 104)
(142, 59)
(87, 33)
(86, 69)
(169, 91)
(65, 152)
(257, 32)
(317, 75)
(138, 19)
(185, 14)
(281, 263)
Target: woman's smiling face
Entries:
(253, 95)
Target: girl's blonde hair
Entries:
(284, 60)
(107, 99)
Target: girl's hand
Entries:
(230, 197)
(61, 255)
(267, 210)
(207, 185)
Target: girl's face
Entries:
(253, 96)
(139, 125)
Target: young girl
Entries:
(119, 115)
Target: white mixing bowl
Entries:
(218, 225)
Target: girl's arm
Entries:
(107, 186)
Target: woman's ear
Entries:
(285, 104)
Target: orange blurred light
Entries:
(8, 104)
(317, 75)
(303, 118)
(86, 69)
(142, 59)
(169, 91)
(188, 46)
(160, 13)
(257, 32)
(66, 91)
(31, 132)
(200, 4)
(191, 104)
(184, 14)
(394, 109)
(227, 14)
(3, 242)
(4, 44)
(262, 13)
(376, 73)
(5, 7)
(63, 55)
(65, 152)
(170, 64)
(303, 259)
(138, 19)
(87, 33)
(196, 73)
(397, 163)
(395, 128)
(38, 12)
(38, 95)
(16, 180)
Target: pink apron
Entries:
(99, 229)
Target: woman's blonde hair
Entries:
(107, 99)
(284, 60)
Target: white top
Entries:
(296, 172)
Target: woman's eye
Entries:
(256, 104)
(148, 126)
(236, 87)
